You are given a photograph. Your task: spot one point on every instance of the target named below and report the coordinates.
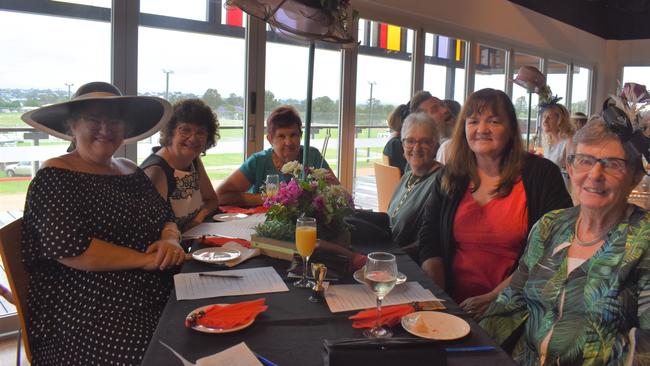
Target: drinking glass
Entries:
(305, 243)
(272, 185)
(380, 275)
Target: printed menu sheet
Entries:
(241, 229)
(354, 297)
(190, 286)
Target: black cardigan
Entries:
(545, 191)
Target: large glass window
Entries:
(637, 74)
(580, 89)
(50, 59)
(520, 97)
(177, 65)
(490, 68)
(188, 9)
(556, 78)
(383, 82)
(286, 83)
(444, 61)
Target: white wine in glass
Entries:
(380, 276)
(305, 244)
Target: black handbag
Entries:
(383, 352)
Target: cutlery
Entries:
(184, 361)
(220, 275)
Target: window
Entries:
(187, 9)
(383, 82)
(636, 74)
(556, 78)
(580, 90)
(520, 97)
(177, 65)
(444, 62)
(490, 68)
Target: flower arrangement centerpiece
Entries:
(314, 194)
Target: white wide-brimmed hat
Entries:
(143, 116)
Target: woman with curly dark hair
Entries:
(175, 167)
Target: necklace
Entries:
(410, 184)
(601, 236)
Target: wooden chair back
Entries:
(10, 249)
(387, 178)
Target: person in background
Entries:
(243, 186)
(98, 240)
(578, 120)
(423, 101)
(443, 151)
(581, 293)
(394, 151)
(175, 167)
(465, 244)
(557, 132)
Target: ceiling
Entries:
(609, 19)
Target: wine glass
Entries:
(272, 185)
(380, 275)
(305, 243)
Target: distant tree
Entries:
(521, 106)
(269, 101)
(580, 106)
(324, 104)
(212, 98)
(235, 100)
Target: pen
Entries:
(264, 360)
(470, 349)
(220, 275)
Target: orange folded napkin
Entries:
(248, 211)
(227, 316)
(218, 241)
(390, 316)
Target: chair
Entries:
(387, 178)
(385, 159)
(10, 246)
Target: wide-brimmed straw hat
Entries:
(142, 115)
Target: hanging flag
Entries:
(458, 49)
(383, 35)
(394, 36)
(234, 16)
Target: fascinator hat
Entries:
(622, 115)
(142, 115)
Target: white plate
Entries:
(204, 329)
(435, 325)
(358, 276)
(229, 216)
(216, 255)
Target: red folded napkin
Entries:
(217, 241)
(248, 211)
(390, 316)
(358, 261)
(227, 316)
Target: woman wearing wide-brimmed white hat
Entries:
(98, 239)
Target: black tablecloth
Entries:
(292, 330)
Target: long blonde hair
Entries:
(461, 164)
(565, 128)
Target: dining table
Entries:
(292, 330)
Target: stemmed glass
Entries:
(380, 275)
(305, 243)
(272, 185)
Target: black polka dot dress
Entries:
(82, 317)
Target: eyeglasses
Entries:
(186, 132)
(410, 142)
(584, 162)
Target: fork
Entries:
(184, 361)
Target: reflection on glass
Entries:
(556, 78)
(165, 70)
(490, 68)
(74, 52)
(580, 89)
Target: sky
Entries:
(77, 51)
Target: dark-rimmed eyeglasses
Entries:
(186, 132)
(411, 142)
(585, 162)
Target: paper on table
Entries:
(354, 297)
(190, 286)
(237, 355)
(245, 253)
(233, 229)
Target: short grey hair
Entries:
(595, 131)
(420, 119)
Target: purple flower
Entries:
(319, 203)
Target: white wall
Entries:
(503, 23)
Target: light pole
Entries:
(372, 84)
(69, 85)
(167, 72)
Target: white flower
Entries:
(320, 173)
(293, 167)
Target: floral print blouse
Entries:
(599, 314)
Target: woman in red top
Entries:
(484, 203)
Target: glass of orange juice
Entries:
(305, 244)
